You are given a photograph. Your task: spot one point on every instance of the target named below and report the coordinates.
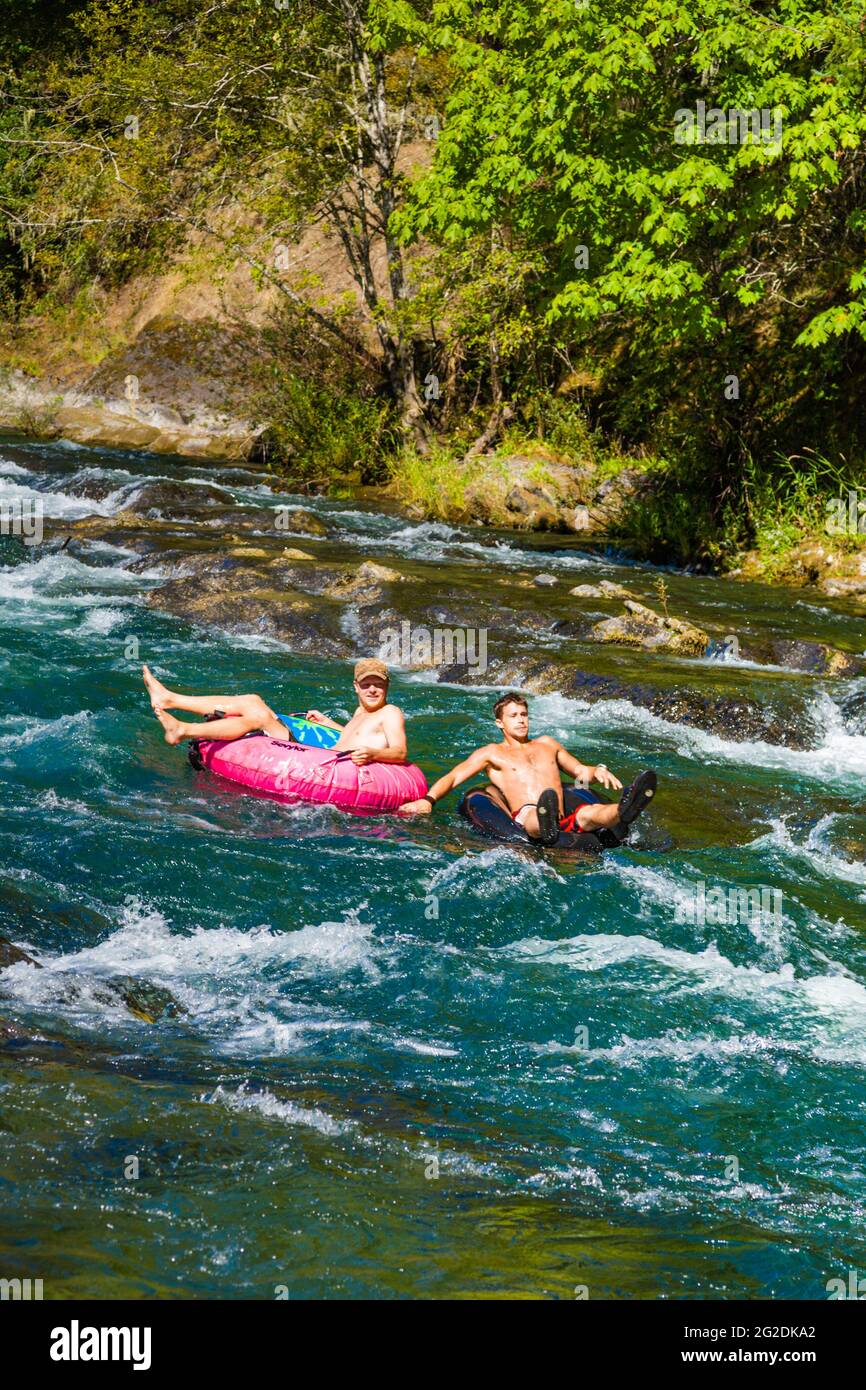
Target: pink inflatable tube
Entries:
(311, 774)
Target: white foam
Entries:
(770, 926)
(425, 1049)
(817, 1043)
(569, 1176)
(492, 870)
(816, 852)
(437, 541)
(840, 758)
(35, 730)
(55, 505)
(51, 801)
(101, 621)
(838, 997)
(144, 942)
(61, 576)
(263, 1103)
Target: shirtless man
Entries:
(376, 733)
(525, 773)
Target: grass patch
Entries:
(434, 484)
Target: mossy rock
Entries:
(641, 627)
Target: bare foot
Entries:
(160, 697)
(174, 730)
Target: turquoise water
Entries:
(408, 1063)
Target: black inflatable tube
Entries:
(482, 809)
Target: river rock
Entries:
(12, 1032)
(604, 589)
(145, 1001)
(364, 585)
(739, 720)
(10, 954)
(303, 522)
(525, 492)
(224, 593)
(642, 627)
(845, 588)
(815, 657)
(170, 498)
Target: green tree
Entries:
(679, 252)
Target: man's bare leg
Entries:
(163, 698)
(594, 816)
(176, 732)
(245, 713)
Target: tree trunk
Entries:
(501, 413)
(375, 199)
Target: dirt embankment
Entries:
(163, 363)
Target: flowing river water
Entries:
(404, 1061)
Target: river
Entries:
(406, 1062)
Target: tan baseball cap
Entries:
(371, 666)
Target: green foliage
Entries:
(675, 262)
(434, 484)
(318, 433)
(674, 523)
(788, 502)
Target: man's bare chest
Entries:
(531, 760)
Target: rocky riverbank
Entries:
(172, 391)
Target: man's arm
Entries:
(470, 767)
(315, 717)
(583, 772)
(394, 728)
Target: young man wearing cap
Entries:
(376, 733)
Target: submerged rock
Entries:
(168, 496)
(304, 522)
(143, 1000)
(223, 592)
(10, 954)
(737, 719)
(13, 1032)
(364, 585)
